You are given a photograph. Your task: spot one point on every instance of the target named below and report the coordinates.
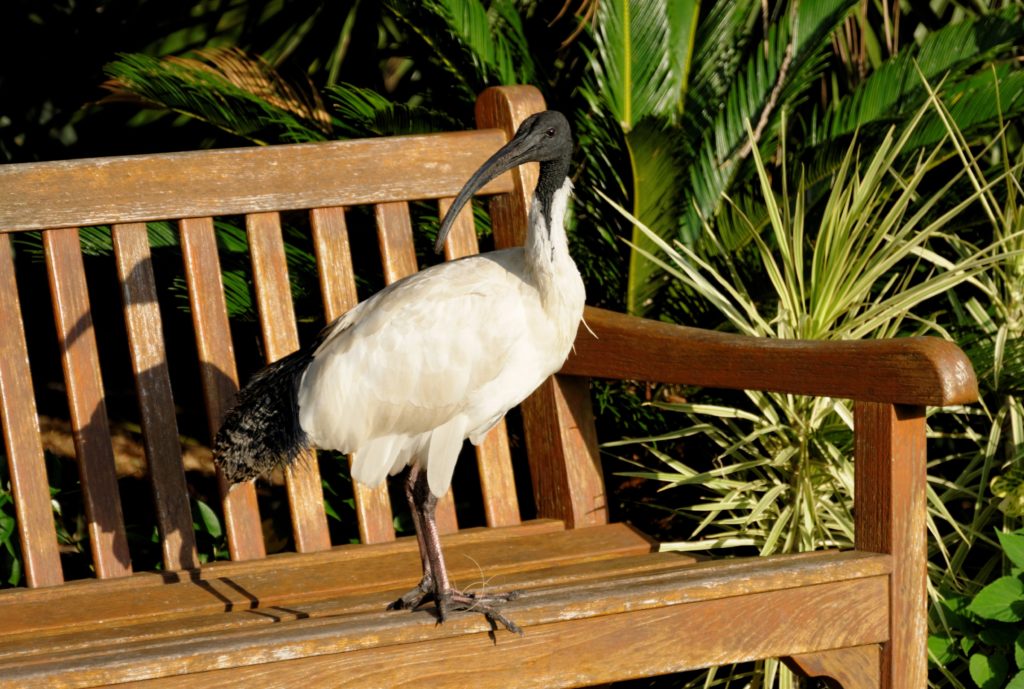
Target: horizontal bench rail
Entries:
(96, 191)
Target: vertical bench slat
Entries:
(461, 240)
(89, 422)
(29, 483)
(394, 233)
(219, 375)
(338, 286)
(891, 516)
(560, 437)
(334, 261)
(277, 320)
(497, 480)
(156, 403)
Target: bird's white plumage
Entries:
(442, 355)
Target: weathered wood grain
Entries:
(218, 374)
(854, 668)
(890, 516)
(95, 191)
(698, 613)
(86, 401)
(23, 648)
(910, 370)
(461, 240)
(281, 338)
(153, 387)
(319, 576)
(30, 486)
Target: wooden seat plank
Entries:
(564, 584)
(850, 586)
(338, 287)
(280, 337)
(67, 595)
(90, 426)
(29, 484)
(332, 573)
(218, 374)
(156, 404)
(25, 646)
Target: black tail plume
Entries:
(262, 431)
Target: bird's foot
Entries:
(415, 597)
(485, 604)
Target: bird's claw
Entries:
(415, 597)
(485, 604)
(409, 601)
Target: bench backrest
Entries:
(323, 182)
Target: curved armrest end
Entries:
(913, 370)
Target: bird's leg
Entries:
(425, 588)
(446, 597)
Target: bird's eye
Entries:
(550, 132)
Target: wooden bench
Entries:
(601, 604)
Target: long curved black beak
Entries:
(515, 152)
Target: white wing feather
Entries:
(451, 348)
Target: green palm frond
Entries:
(640, 66)
(978, 104)
(687, 142)
(229, 89)
(365, 112)
(641, 60)
(657, 184)
(720, 47)
(894, 89)
(772, 79)
(492, 35)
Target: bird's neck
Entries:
(549, 265)
(546, 242)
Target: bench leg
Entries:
(852, 668)
(891, 517)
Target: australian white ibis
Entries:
(407, 375)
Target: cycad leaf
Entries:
(895, 89)
(641, 60)
(720, 45)
(639, 71)
(364, 112)
(229, 89)
(656, 186)
(493, 36)
(774, 76)
(979, 102)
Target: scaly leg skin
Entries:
(435, 583)
(425, 589)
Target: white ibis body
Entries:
(440, 356)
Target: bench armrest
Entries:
(912, 370)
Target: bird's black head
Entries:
(544, 137)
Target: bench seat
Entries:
(289, 619)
